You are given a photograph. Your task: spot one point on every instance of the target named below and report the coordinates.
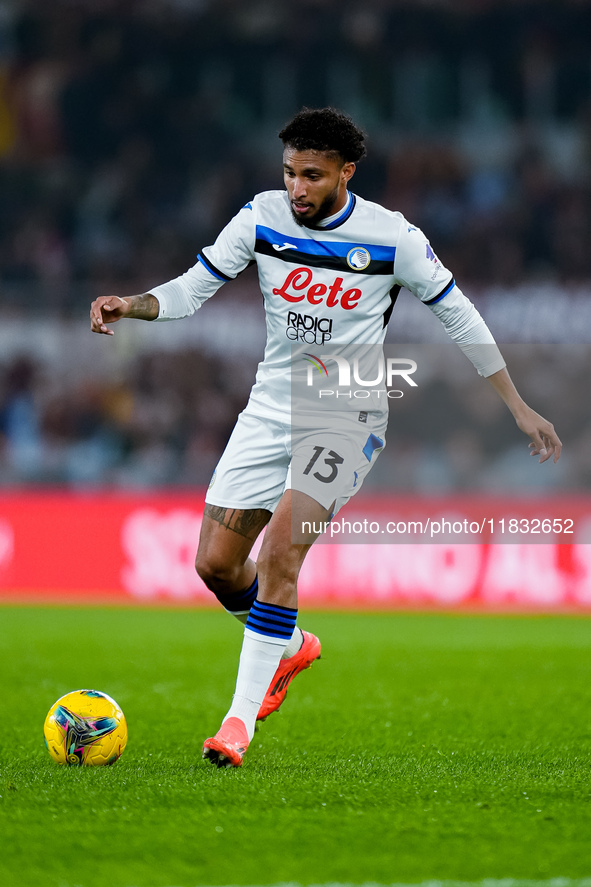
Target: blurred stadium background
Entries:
(130, 132)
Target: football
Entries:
(85, 727)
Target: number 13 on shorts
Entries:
(330, 466)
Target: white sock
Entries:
(295, 643)
(259, 659)
(297, 639)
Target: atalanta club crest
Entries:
(358, 258)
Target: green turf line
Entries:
(428, 749)
(486, 882)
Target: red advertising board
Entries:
(140, 549)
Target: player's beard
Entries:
(324, 210)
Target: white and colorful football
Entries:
(85, 727)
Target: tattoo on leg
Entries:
(247, 523)
(216, 513)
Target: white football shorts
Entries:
(265, 457)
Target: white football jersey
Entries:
(335, 284)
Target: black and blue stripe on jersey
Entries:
(201, 257)
(395, 291)
(447, 289)
(323, 253)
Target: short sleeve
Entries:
(417, 267)
(233, 250)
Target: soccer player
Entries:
(332, 262)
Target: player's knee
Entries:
(217, 575)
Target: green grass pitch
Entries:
(421, 746)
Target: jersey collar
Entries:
(338, 218)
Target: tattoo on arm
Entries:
(247, 523)
(144, 307)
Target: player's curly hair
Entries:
(325, 129)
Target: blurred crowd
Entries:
(163, 425)
(132, 130)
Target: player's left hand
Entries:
(545, 443)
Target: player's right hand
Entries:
(107, 309)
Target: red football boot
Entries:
(227, 747)
(286, 672)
